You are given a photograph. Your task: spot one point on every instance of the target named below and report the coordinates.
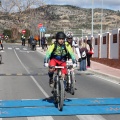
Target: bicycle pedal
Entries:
(52, 91)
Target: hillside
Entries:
(60, 17)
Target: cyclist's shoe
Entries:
(67, 87)
(51, 82)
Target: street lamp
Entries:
(101, 17)
(92, 16)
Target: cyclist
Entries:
(57, 54)
(73, 43)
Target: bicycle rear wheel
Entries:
(72, 87)
(61, 94)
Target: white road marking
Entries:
(2, 51)
(90, 117)
(46, 95)
(26, 51)
(24, 48)
(9, 48)
(17, 48)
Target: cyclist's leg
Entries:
(52, 63)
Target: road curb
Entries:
(105, 75)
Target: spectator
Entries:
(43, 42)
(23, 40)
(90, 52)
(83, 51)
(46, 43)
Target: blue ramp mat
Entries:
(67, 102)
(52, 111)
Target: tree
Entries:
(8, 32)
(15, 11)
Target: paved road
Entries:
(19, 60)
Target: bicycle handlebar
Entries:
(59, 66)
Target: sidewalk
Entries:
(100, 70)
(106, 71)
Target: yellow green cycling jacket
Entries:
(60, 52)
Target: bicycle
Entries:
(58, 88)
(70, 77)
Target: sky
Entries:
(107, 4)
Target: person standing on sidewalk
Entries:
(46, 44)
(43, 42)
(90, 52)
(83, 51)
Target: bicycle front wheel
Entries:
(61, 94)
(0, 59)
(72, 87)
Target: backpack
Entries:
(83, 52)
(55, 47)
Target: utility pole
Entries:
(92, 16)
(101, 18)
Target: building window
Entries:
(96, 41)
(104, 39)
(115, 38)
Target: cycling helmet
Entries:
(60, 35)
(69, 35)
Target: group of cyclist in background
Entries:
(32, 42)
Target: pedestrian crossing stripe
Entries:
(17, 48)
(9, 48)
(24, 48)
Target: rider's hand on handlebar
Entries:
(74, 65)
(46, 64)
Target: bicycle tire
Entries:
(55, 89)
(72, 86)
(61, 94)
(0, 59)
